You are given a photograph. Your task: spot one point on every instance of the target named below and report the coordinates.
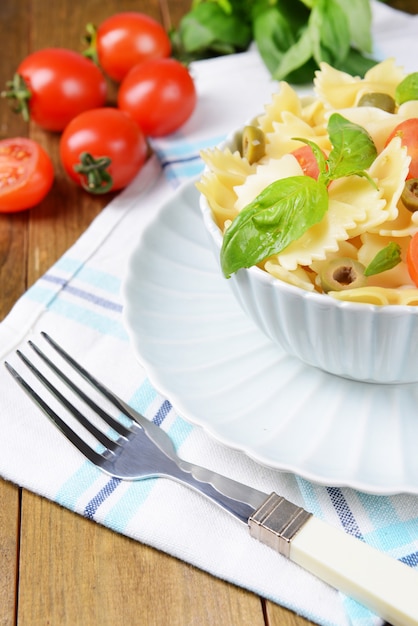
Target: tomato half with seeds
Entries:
(26, 174)
(408, 133)
(53, 85)
(125, 39)
(102, 150)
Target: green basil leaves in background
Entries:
(293, 36)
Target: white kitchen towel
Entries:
(79, 302)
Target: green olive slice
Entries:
(253, 143)
(342, 273)
(409, 195)
(379, 100)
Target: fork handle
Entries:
(386, 586)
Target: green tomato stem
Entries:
(94, 170)
(91, 40)
(19, 92)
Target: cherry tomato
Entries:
(26, 174)
(412, 259)
(125, 39)
(160, 95)
(408, 132)
(53, 85)
(102, 149)
(307, 161)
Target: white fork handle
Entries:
(386, 586)
(381, 583)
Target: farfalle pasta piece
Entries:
(230, 167)
(406, 224)
(220, 197)
(286, 99)
(299, 277)
(265, 174)
(325, 237)
(225, 170)
(339, 90)
(282, 140)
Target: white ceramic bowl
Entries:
(365, 342)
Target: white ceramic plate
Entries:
(219, 371)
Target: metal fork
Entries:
(139, 449)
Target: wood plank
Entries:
(86, 574)
(9, 546)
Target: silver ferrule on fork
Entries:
(276, 522)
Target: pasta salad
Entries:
(322, 192)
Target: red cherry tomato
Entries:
(53, 85)
(26, 174)
(412, 259)
(307, 161)
(160, 95)
(102, 149)
(408, 132)
(125, 39)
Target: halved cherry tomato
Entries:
(408, 132)
(125, 39)
(26, 174)
(307, 161)
(160, 95)
(412, 259)
(53, 85)
(102, 149)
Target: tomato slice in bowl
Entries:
(26, 174)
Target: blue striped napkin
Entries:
(78, 301)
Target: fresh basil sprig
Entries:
(288, 207)
(292, 36)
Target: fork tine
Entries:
(117, 426)
(68, 432)
(98, 434)
(105, 391)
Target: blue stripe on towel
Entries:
(82, 294)
(97, 278)
(100, 497)
(344, 512)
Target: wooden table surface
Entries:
(56, 567)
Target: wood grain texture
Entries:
(57, 568)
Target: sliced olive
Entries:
(253, 143)
(379, 100)
(409, 195)
(342, 273)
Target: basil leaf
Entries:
(355, 63)
(359, 17)
(298, 54)
(353, 150)
(407, 89)
(384, 260)
(280, 214)
(339, 33)
(273, 37)
(329, 31)
(209, 29)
